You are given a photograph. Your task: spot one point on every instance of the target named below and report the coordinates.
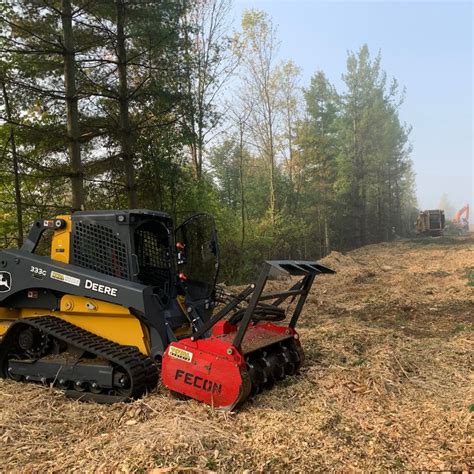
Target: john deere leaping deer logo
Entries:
(5, 282)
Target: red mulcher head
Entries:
(226, 361)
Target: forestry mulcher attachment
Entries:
(124, 297)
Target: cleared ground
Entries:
(387, 384)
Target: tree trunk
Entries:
(363, 216)
(320, 234)
(290, 158)
(200, 140)
(124, 117)
(355, 188)
(272, 184)
(272, 161)
(77, 175)
(194, 157)
(380, 217)
(16, 174)
(398, 204)
(390, 206)
(326, 235)
(242, 193)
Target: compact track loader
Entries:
(124, 297)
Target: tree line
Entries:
(159, 104)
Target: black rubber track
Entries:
(142, 370)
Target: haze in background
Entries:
(427, 46)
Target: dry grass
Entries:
(387, 385)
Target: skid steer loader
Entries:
(124, 297)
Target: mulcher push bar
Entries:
(292, 267)
(307, 269)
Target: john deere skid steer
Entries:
(124, 298)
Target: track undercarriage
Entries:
(56, 353)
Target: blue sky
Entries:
(427, 46)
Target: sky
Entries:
(426, 45)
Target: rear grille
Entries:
(97, 248)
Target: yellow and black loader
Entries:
(124, 296)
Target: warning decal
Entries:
(180, 354)
(65, 278)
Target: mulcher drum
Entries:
(215, 372)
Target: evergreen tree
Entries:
(318, 140)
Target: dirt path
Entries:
(388, 384)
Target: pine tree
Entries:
(318, 142)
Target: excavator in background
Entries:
(461, 220)
(430, 223)
(124, 298)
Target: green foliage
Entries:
(375, 181)
(297, 173)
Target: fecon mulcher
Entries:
(124, 296)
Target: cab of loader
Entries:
(135, 245)
(143, 246)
